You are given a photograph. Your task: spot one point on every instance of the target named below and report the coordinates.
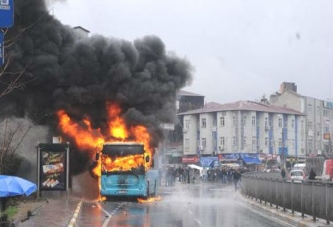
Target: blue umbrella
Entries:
(12, 186)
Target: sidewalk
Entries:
(57, 212)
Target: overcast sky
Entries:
(240, 49)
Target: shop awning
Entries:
(251, 160)
(208, 161)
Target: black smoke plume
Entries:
(63, 71)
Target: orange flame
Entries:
(150, 199)
(85, 137)
(116, 124)
(91, 139)
(122, 163)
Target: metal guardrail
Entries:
(314, 198)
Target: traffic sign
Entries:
(6, 13)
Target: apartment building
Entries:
(173, 145)
(318, 117)
(243, 127)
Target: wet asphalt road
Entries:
(206, 205)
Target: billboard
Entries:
(53, 167)
(6, 13)
(190, 159)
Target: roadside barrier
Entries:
(308, 197)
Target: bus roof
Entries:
(123, 143)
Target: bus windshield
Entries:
(122, 150)
(122, 158)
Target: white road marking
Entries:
(198, 221)
(106, 222)
(191, 213)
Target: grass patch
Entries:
(10, 211)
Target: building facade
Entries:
(173, 144)
(243, 127)
(318, 118)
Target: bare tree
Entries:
(12, 134)
(10, 80)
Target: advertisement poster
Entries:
(53, 169)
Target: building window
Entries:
(266, 141)
(203, 142)
(266, 123)
(310, 109)
(310, 146)
(302, 126)
(187, 124)
(253, 121)
(234, 141)
(203, 123)
(254, 143)
(310, 125)
(244, 120)
(222, 121)
(292, 123)
(318, 110)
(222, 141)
(280, 142)
(234, 120)
(280, 122)
(187, 143)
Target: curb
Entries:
(73, 221)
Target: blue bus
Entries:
(124, 171)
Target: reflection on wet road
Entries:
(205, 205)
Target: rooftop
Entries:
(242, 105)
(186, 93)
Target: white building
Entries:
(318, 120)
(81, 32)
(243, 127)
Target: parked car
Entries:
(299, 166)
(297, 175)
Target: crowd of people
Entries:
(188, 175)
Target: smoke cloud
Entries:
(80, 74)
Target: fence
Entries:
(314, 198)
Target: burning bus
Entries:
(122, 154)
(124, 171)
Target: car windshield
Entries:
(296, 173)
